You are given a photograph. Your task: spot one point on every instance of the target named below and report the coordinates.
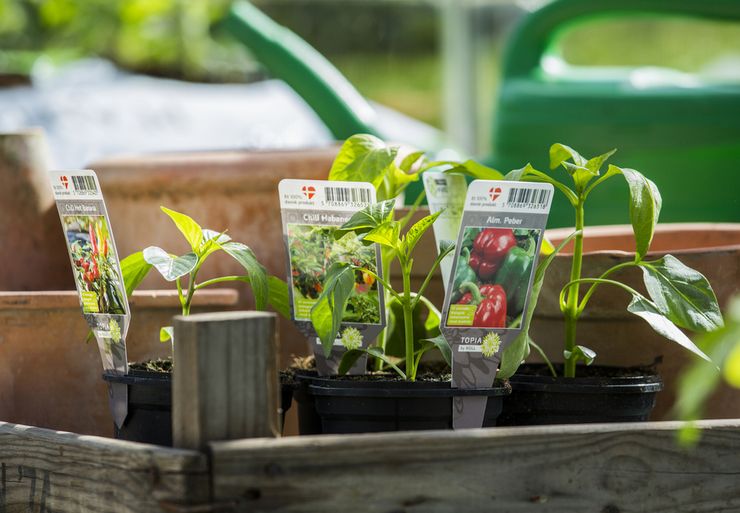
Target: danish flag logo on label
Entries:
(309, 191)
(65, 181)
(494, 192)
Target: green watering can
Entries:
(331, 96)
(684, 133)
(680, 130)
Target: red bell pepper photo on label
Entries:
(492, 277)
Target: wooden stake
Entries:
(225, 381)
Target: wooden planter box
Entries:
(605, 468)
(225, 403)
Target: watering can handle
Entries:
(339, 105)
(533, 35)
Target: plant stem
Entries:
(544, 357)
(593, 287)
(221, 280)
(408, 321)
(383, 337)
(191, 291)
(571, 308)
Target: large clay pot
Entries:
(49, 376)
(620, 338)
(34, 255)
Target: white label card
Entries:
(490, 281)
(311, 212)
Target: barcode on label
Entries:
(534, 198)
(84, 183)
(346, 195)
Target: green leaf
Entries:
(386, 234)
(395, 181)
(645, 203)
(516, 175)
(212, 241)
(581, 175)
(445, 246)
(379, 354)
(682, 294)
(580, 353)
(368, 218)
(530, 174)
(327, 312)
(476, 170)
(594, 164)
(213, 235)
(444, 347)
(546, 248)
(696, 385)
(170, 267)
(277, 296)
(256, 271)
(559, 153)
(349, 358)
(363, 158)
(513, 354)
(434, 316)
(188, 227)
(134, 269)
(409, 160)
(166, 333)
(644, 308)
(417, 230)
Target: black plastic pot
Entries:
(149, 417)
(538, 399)
(367, 406)
(309, 422)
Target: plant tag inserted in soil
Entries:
(97, 272)
(311, 212)
(490, 281)
(445, 192)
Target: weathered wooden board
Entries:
(225, 385)
(44, 471)
(616, 468)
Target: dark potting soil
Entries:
(431, 372)
(158, 365)
(590, 371)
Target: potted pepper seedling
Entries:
(149, 383)
(677, 297)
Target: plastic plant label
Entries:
(97, 272)
(311, 211)
(445, 192)
(490, 282)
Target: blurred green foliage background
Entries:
(389, 50)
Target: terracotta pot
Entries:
(34, 253)
(49, 376)
(620, 338)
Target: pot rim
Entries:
(626, 229)
(397, 389)
(645, 383)
(138, 377)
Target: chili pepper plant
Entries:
(677, 295)
(391, 169)
(184, 269)
(375, 225)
